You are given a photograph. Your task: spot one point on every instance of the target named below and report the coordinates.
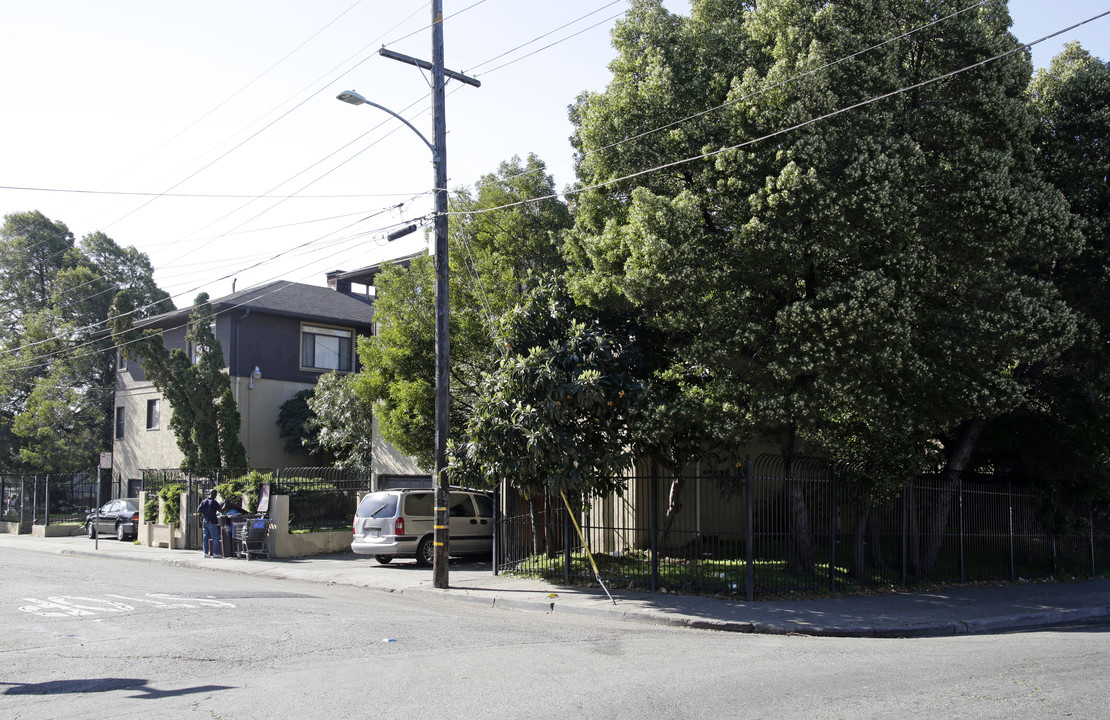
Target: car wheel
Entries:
(90, 531)
(120, 534)
(383, 559)
(425, 552)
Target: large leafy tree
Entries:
(204, 417)
(554, 415)
(493, 254)
(870, 284)
(1071, 408)
(56, 366)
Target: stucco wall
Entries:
(258, 414)
(141, 448)
(388, 460)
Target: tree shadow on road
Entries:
(97, 685)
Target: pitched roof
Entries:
(281, 297)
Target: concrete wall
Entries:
(284, 544)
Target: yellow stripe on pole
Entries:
(440, 527)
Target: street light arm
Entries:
(353, 98)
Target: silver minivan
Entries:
(400, 523)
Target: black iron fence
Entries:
(321, 498)
(55, 499)
(765, 530)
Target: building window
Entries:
(324, 348)
(194, 350)
(153, 411)
(119, 423)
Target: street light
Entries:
(442, 306)
(353, 98)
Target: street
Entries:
(89, 637)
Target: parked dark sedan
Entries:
(118, 517)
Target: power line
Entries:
(195, 195)
(791, 128)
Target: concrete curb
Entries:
(626, 611)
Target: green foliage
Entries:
(150, 508)
(205, 419)
(867, 283)
(56, 374)
(297, 425)
(170, 495)
(342, 422)
(554, 415)
(247, 486)
(493, 255)
(1070, 405)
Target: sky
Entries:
(208, 135)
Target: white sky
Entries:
(237, 98)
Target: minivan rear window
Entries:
(377, 505)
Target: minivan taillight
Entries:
(399, 526)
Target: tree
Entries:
(1071, 399)
(204, 417)
(296, 425)
(553, 417)
(342, 422)
(493, 255)
(869, 285)
(56, 370)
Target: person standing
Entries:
(210, 521)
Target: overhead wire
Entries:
(235, 94)
(791, 128)
(788, 129)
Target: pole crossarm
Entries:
(400, 57)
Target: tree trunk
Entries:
(858, 560)
(958, 457)
(799, 559)
(537, 526)
(552, 536)
(674, 506)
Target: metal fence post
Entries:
(832, 529)
(960, 510)
(1091, 531)
(1010, 502)
(496, 528)
(749, 531)
(46, 502)
(566, 545)
(654, 525)
(905, 529)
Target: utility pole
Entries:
(438, 146)
(443, 306)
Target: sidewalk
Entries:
(947, 611)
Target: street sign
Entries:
(106, 461)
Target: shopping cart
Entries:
(249, 537)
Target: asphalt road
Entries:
(90, 637)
